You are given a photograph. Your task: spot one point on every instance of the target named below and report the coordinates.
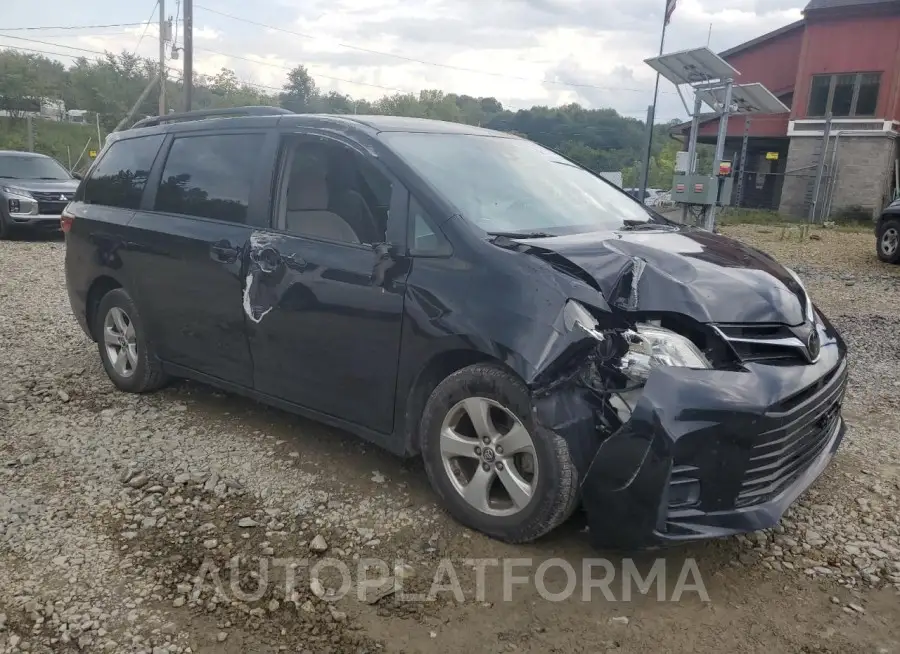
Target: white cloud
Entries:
(511, 49)
(206, 34)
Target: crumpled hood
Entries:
(687, 271)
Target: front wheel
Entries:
(127, 354)
(889, 240)
(493, 468)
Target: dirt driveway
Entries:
(118, 514)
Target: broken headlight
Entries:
(650, 346)
(576, 315)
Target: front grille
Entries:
(52, 196)
(764, 342)
(780, 456)
(51, 208)
(50, 202)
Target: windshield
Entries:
(507, 185)
(17, 167)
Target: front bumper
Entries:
(45, 221)
(710, 453)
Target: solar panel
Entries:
(692, 66)
(745, 99)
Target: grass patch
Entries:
(55, 139)
(855, 220)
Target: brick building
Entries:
(842, 58)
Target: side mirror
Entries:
(78, 176)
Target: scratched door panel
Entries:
(324, 326)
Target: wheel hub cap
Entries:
(120, 340)
(889, 241)
(489, 456)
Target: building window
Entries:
(845, 94)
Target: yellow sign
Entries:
(772, 156)
(92, 154)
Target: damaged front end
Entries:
(674, 438)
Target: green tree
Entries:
(599, 139)
(299, 91)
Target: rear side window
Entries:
(118, 179)
(210, 176)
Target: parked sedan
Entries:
(537, 336)
(34, 190)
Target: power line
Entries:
(274, 65)
(421, 61)
(4, 46)
(70, 27)
(257, 85)
(146, 27)
(54, 45)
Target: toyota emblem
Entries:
(813, 345)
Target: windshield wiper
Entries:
(523, 234)
(58, 179)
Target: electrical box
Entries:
(702, 189)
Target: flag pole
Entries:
(651, 115)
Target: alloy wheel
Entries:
(489, 456)
(120, 340)
(890, 241)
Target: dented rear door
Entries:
(188, 245)
(324, 326)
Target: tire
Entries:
(5, 228)
(889, 227)
(554, 486)
(142, 370)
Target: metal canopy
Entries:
(745, 99)
(692, 66)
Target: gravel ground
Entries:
(112, 504)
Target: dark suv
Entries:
(34, 190)
(887, 233)
(536, 335)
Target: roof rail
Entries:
(210, 113)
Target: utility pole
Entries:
(29, 125)
(651, 114)
(820, 170)
(144, 95)
(743, 165)
(720, 149)
(645, 168)
(188, 53)
(162, 57)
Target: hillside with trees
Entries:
(600, 139)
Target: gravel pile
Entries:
(846, 527)
(110, 504)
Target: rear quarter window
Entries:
(210, 176)
(119, 177)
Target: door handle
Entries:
(224, 252)
(268, 259)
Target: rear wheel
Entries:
(889, 240)
(493, 468)
(127, 355)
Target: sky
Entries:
(522, 52)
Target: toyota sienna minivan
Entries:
(538, 337)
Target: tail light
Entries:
(65, 221)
